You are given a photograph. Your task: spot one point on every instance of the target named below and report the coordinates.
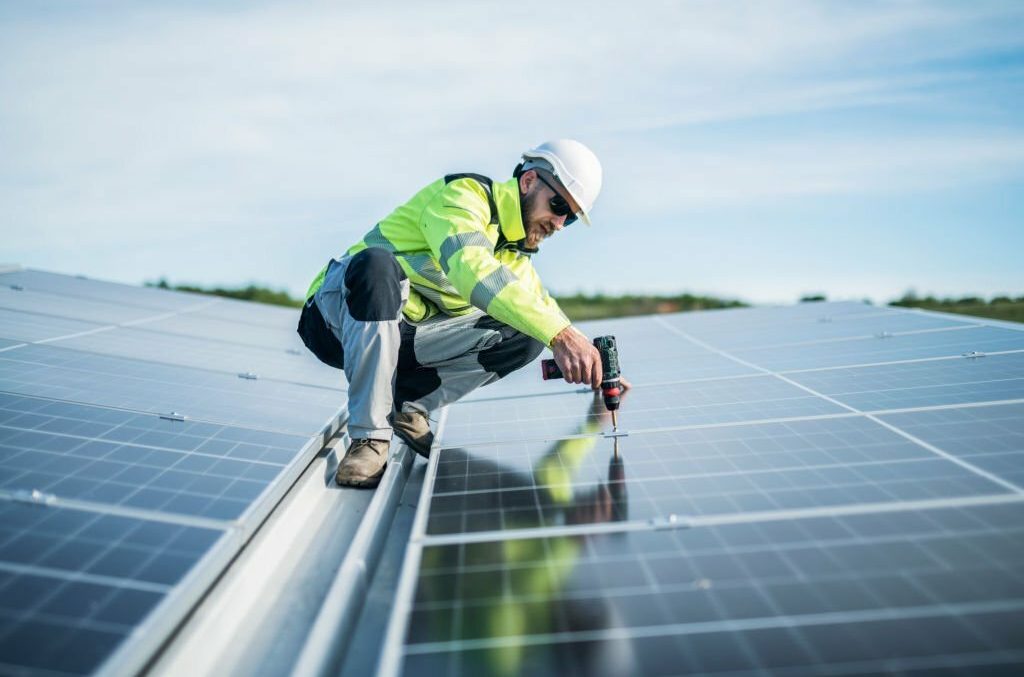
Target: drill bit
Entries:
(615, 422)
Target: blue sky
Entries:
(758, 150)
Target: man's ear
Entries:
(526, 180)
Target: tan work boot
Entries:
(363, 464)
(414, 428)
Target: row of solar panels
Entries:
(819, 489)
(143, 435)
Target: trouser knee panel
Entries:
(374, 284)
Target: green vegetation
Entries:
(581, 307)
(599, 306)
(249, 293)
(997, 308)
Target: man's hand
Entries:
(577, 357)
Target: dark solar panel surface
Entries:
(818, 489)
(133, 457)
(871, 592)
(74, 584)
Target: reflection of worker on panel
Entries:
(527, 596)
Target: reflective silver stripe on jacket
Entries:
(454, 243)
(375, 238)
(489, 287)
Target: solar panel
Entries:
(75, 584)
(140, 444)
(19, 326)
(139, 385)
(826, 488)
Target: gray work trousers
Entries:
(391, 363)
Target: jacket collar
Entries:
(510, 215)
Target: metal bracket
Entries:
(17, 287)
(35, 497)
(615, 433)
(293, 351)
(672, 521)
(973, 355)
(883, 335)
(174, 416)
(249, 376)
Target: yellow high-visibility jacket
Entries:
(460, 242)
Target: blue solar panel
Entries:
(134, 459)
(820, 489)
(71, 375)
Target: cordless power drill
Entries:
(610, 388)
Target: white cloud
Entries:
(142, 130)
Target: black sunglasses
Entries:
(559, 205)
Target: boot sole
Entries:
(368, 483)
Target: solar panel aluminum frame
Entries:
(146, 639)
(391, 656)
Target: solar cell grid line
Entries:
(44, 303)
(83, 580)
(991, 437)
(940, 381)
(809, 331)
(6, 344)
(117, 474)
(758, 343)
(983, 473)
(725, 400)
(200, 353)
(651, 373)
(64, 374)
(125, 314)
(939, 343)
(833, 575)
(24, 327)
(135, 463)
(728, 469)
(280, 336)
(80, 287)
(924, 504)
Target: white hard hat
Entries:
(576, 167)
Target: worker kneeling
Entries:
(441, 297)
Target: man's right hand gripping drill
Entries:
(577, 357)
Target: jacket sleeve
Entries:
(455, 227)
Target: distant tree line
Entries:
(912, 300)
(1002, 307)
(583, 307)
(251, 292)
(597, 306)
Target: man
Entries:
(440, 298)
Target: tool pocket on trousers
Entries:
(450, 338)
